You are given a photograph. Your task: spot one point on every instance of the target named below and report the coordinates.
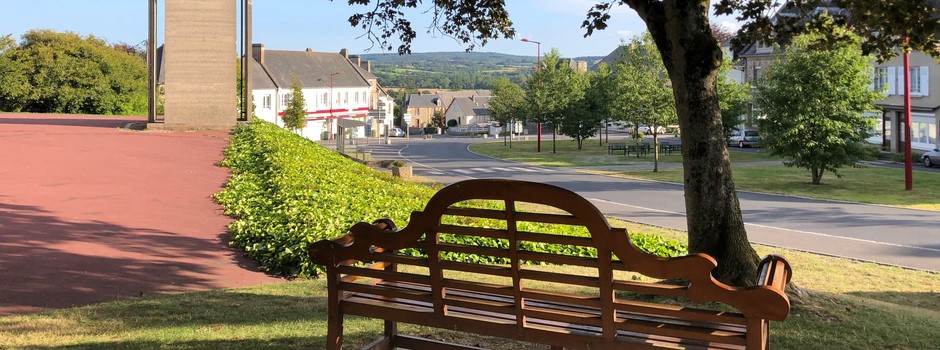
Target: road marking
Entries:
(501, 169)
(482, 170)
(524, 170)
(463, 171)
(779, 228)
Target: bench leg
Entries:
(334, 332)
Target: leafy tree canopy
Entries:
(508, 102)
(814, 100)
(53, 72)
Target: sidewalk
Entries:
(90, 212)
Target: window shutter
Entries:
(892, 80)
(924, 81)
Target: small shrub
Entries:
(398, 163)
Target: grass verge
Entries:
(875, 185)
(591, 154)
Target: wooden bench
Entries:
(601, 308)
(639, 149)
(616, 146)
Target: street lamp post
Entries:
(330, 124)
(538, 64)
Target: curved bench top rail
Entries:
(762, 301)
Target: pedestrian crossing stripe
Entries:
(482, 170)
(501, 169)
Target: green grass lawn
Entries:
(591, 154)
(876, 185)
(852, 305)
(870, 184)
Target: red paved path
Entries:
(90, 212)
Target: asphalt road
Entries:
(901, 237)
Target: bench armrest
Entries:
(774, 271)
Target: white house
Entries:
(335, 88)
(925, 106)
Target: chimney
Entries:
(369, 66)
(257, 52)
(356, 59)
(309, 50)
(344, 52)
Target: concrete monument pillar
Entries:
(199, 63)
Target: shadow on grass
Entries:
(923, 300)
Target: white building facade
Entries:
(334, 87)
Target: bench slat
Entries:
(468, 249)
(478, 287)
(383, 275)
(558, 259)
(472, 231)
(554, 239)
(682, 331)
(681, 312)
(399, 293)
(402, 259)
(476, 213)
(492, 270)
(563, 298)
(585, 281)
(652, 288)
(548, 218)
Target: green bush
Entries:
(286, 192)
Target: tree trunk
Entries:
(655, 150)
(692, 58)
(817, 175)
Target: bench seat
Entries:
(442, 271)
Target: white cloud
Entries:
(731, 25)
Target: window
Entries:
(266, 101)
(923, 131)
(325, 99)
(357, 97)
(757, 71)
(285, 100)
(763, 48)
(346, 98)
(881, 79)
(915, 82)
(338, 95)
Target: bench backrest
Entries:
(524, 215)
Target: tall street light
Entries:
(538, 64)
(330, 124)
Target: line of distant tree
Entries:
(63, 72)
(452, 70)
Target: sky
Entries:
(322, 25)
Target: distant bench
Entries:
(616, 146)
(590, 310)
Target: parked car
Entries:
(931, 158)
(649, 131)
(744, 138)
(396, 132)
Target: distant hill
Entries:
(467, 58)
(453, 70)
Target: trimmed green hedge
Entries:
(286, 192)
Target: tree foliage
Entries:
(733, 98)
(579, 121)
(882, 24)
(52, 72)
(648, 97)
(814, 100)
(551, 91)
(295, 116)
(508, 102)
